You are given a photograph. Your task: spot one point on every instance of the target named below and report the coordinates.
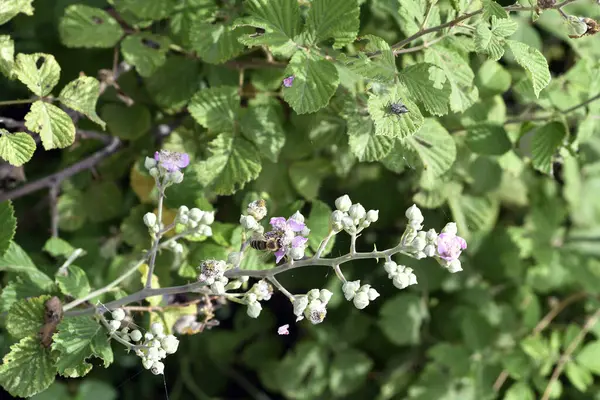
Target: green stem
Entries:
(21, 101)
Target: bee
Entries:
(265, 243)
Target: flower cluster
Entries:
(449, 248)
(167, 164)
(313, 305)
(211, 272)
(195, 220)
(290, 236)
(152, 349)
(256, 210)
(261, 291)
(352, 218)
(401, 276)
(361, 296)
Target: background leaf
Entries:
(84, 26)
(16, 148)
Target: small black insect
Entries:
(398, 108)
(97, 20)
(150, 43)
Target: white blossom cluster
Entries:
(361, 296)
(352, 218)
(151, 347)
(313, 305)
(195, 220)
(420, 244)
(211, 272)
(256, 211)
(401, 276)
(261, 291)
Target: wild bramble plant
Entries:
(260, 115)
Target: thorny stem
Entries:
(566, 357)
(159, 234)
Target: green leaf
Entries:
(488, 43)
(71, 210)
(334, 19)
(390, 124)
(58, 247)
(533, 62)
(186, 14)
(488, 139)
(73, 282)
(377, 62)
(364, 143)
(28, 368)
(504, 27)
(18, 289)
(7, 55)
(84, 26)
(127, 122)
(39, 72)
(519, 391)
(103, 201)
(216, 108)
(405, 330)
(318, 223)
(150, 9)
(262, 125)
(97, 390)
(348, 371)
(280, 20)
(416, 78)
(434, 146)
(546, 141)
(306, 176)
(217, 43)
(579, 376)
(174, 83)
(17, 261)
(81, 95)
(589, 357)
(26, 317)
(54, 126)
(456, 70)
(493, 9)
(76, 340)
(10, 8)
(16, 148)
(492, 78)
(232, 163)
(315, 82)
(145, 51)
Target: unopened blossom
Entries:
(172, 161)
(449, 246)
(283, 330)
(287, 82)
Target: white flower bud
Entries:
(153, 354)
(350, 289)
(313, 294)
(325, 295)
(357, 212)
(405, 278)
(218, 287)
(149, 219)
(251, 298)
(148, 336)
(257, 209)
(196, 214)
(361, 300)
(157, 368)
(248, 222)
(413, 213)
(254, 309)
(336, 226)
(450, 228)
(373, 294)
(418, 244)
(118, 314)
(183, 210)
(348, 223)
(162, 354)
(305, 232)
(234, 258)
(372, 216)
(192, 224)
(429, 250)
(454, 266)
(155, 342)
(136, 335)
(114, 325)
(169, 344)
(205, 230)
(431, 236)
(147, 363)
(298, 217)
(343, 203)
(297, 253)
(125, 330)
(390, 267)
(208, 218)
(235, 285)
(300, 304)
(154, 172)
(175, 176)
(150, 163)
(178, 248)
(157, 328)
(183, 219)
(337, 216)
(315, 312)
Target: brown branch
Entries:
(53, 196)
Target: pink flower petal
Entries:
(279, 254)
(296, 226)
(283, 330)
(299, 241)
(278, 222)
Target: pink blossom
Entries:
(171, 160)
(450, 246)
(285, 231)
(287, 82)
(283, 330)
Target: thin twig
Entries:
(566, 357)
(57, 178)
(54, 218)
(161, 308)
(279, 286)
(76, 254)
(154, 250)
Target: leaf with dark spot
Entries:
(97, 20)
(150, 43)
(40, 62)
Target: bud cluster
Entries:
(211, 272)
(195, 220)
(167, 165)
(151, 347)
(313, 305)
(419, 244)
(361, 296)
(401, 276)
(261, 291)
(256, 210)
(352, 218)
